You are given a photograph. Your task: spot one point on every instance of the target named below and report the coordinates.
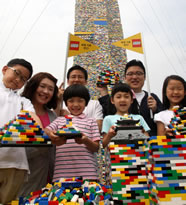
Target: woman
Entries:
(42, 90)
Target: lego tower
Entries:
(98, 21)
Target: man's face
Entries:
(76, 77)
(135, 78)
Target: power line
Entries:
(37, 19)
(13, 27)
(166, 35)
(154, 36)
(172, 24)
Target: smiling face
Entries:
(15, 77)
(135, 78)
(76, 105)
(76, 77)
(44, 92)
(122, 102)
(175, 92)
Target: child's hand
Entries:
(169, 132)
(55, 138)
(112, 131)
(102, 89)
(80, 140)
(60, 91)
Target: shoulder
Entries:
(136, 116)
(93, 103)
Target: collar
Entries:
(81, 116)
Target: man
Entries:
(78, 75)
(135, 76)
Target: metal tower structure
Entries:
(98, 21)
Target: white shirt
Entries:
(164, 117)
(10, 105)
(140, 96)
(92, 110)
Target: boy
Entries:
(13, 161)
(75, 157)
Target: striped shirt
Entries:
(72, 159)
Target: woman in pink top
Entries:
(42, 90)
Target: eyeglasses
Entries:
(18, 75)
(138, 73)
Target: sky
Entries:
(37, 31)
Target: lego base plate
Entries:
(69, 135)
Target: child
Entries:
(122, 98)
(75, 158)
(13, 161)
(174, 91)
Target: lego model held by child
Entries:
(13, 161)
(122, 98)
(173, 94)
(75, 157)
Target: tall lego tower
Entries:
(98, 21)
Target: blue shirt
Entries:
(110, 120)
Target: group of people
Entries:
(23, 170)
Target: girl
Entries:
(42, 90)
(174, 90)
(75, 157)
(122, 98)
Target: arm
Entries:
(154, 103)
(108, 136)
(92, 146)
(161, 130)
(99, 122)
(60, 99)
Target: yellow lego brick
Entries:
(7, 138)
(63, 201)
(146, 201)
(40, 139)
(169, 196)
(101, 202)
(159, 182)
(126, 195)
(15, 202)
(181, 170)
(157, 168)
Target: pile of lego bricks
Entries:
(23, 131)
(108, 77)
(72, 191)
(128, 171)
(167, 170)
(178, 123)
(69, 130)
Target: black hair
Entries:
(121, 87)
(19, 61)
(76, 90)
(77, 67)
(135, 62)
(166, 103)
(32, 85)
